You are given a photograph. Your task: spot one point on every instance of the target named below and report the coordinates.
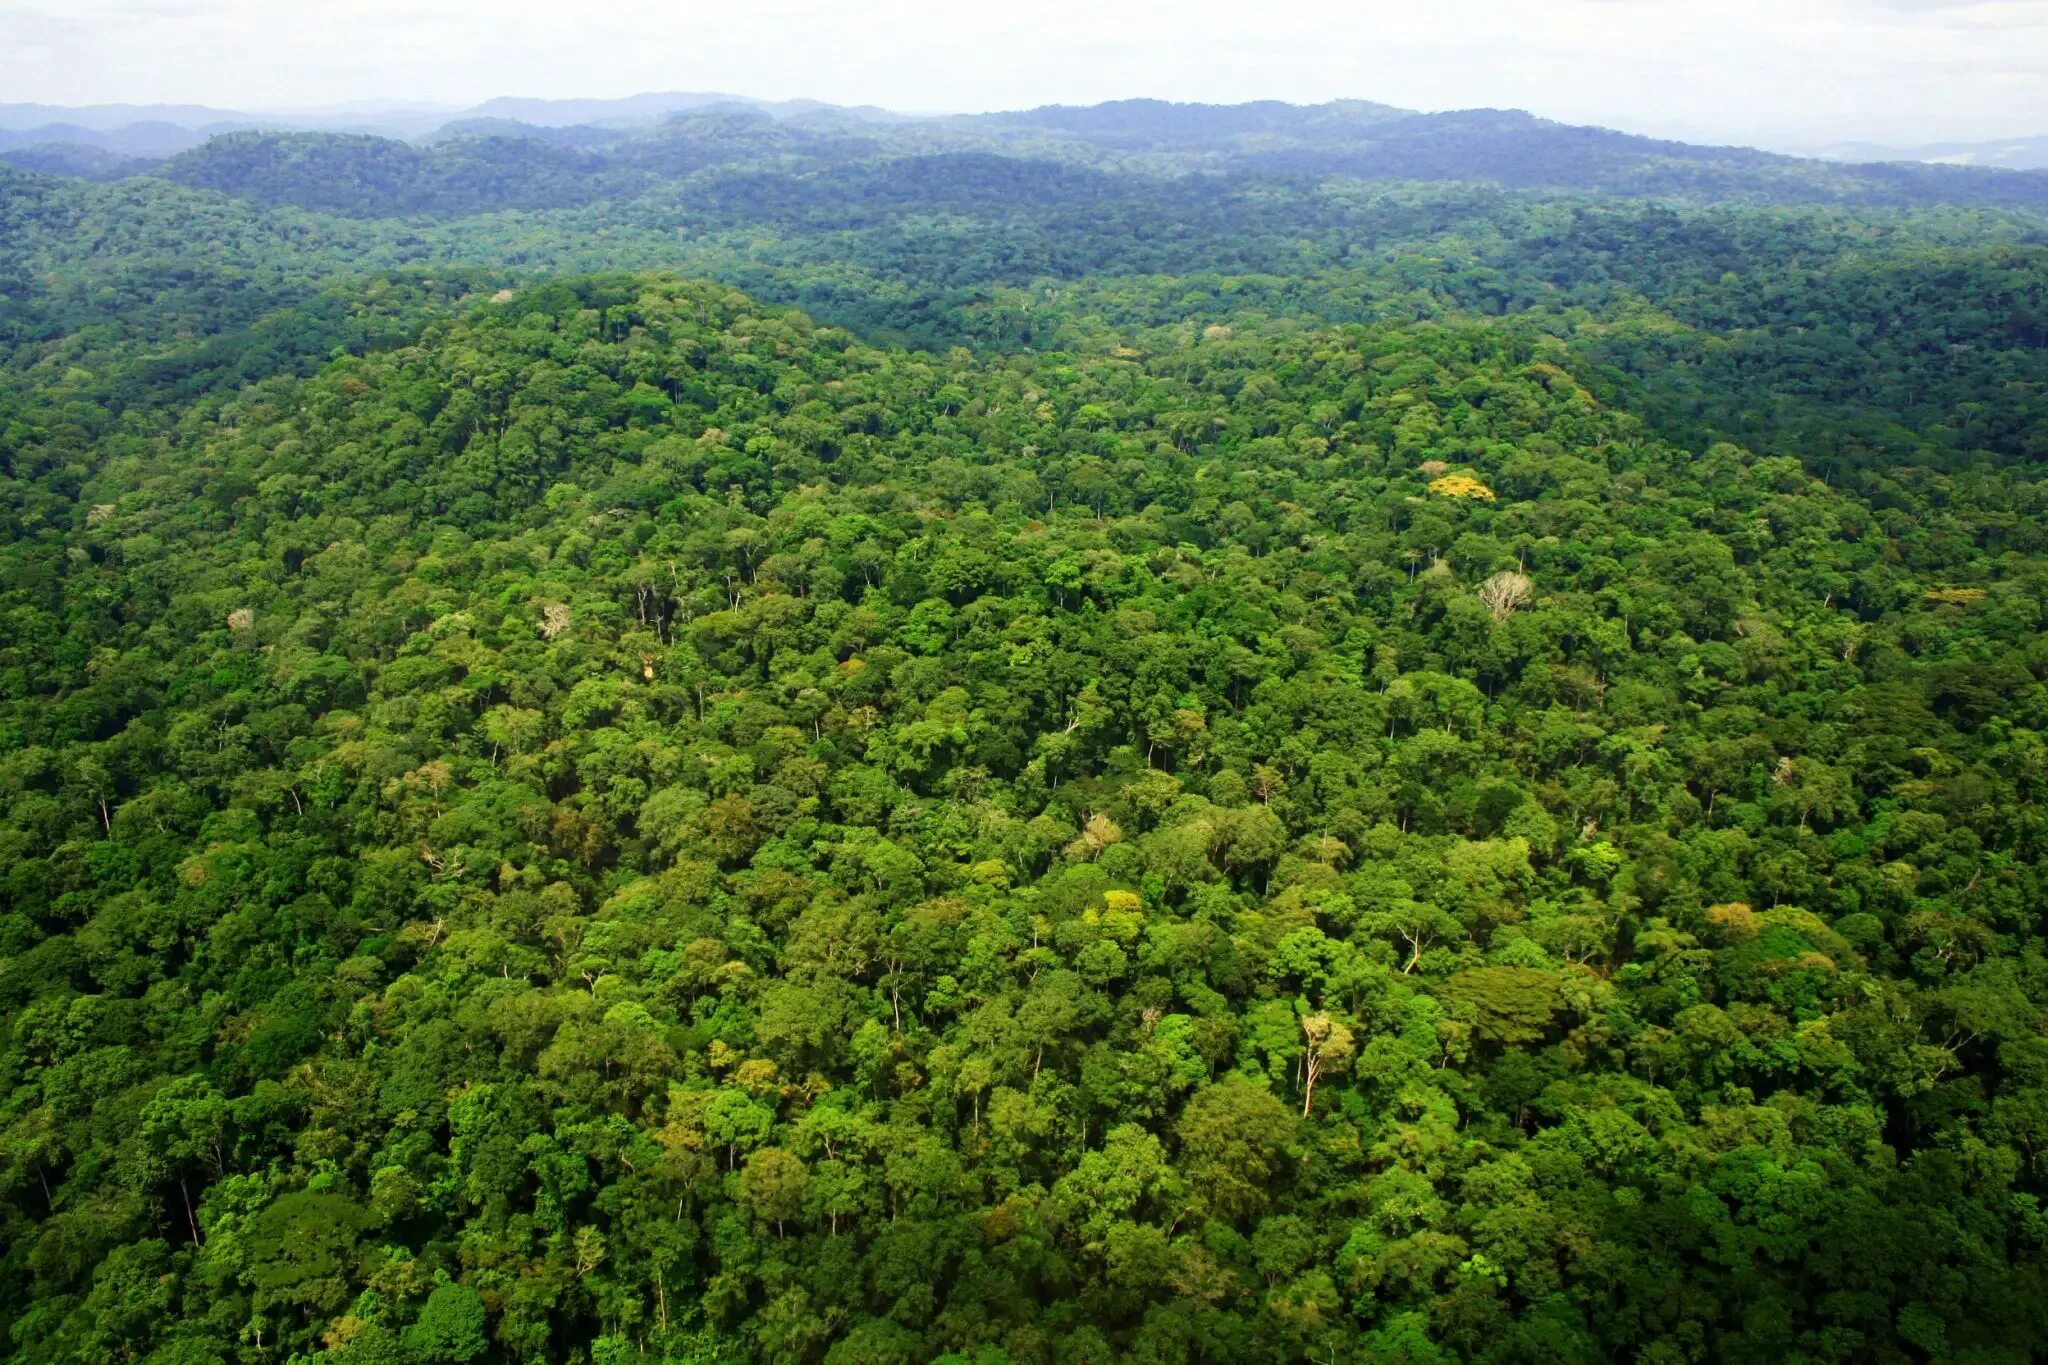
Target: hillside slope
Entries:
(624, 820)
(363, 176)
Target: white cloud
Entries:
(1725, 68)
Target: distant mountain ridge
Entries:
(515, 153)
(163, 130)
(563, 113)
(2012, 154)
(1140, 122)
(109, 117)
(155, 138)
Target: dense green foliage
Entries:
(1197, 769)
(77, 160)
(362, 174)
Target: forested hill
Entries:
(629, 822)
(497, 163)
(1161, 733)
(1506, 148)
(355, 174)
(1872, 335)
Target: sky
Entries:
(1771, 72)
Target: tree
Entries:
(299, 1254)
(1506, 593)
(1328, 1047)
(1509, 1005)
(773, 1186)
(1230, 1135)
(450, 1326)
(181, 1136)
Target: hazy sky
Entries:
(1764, 70)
